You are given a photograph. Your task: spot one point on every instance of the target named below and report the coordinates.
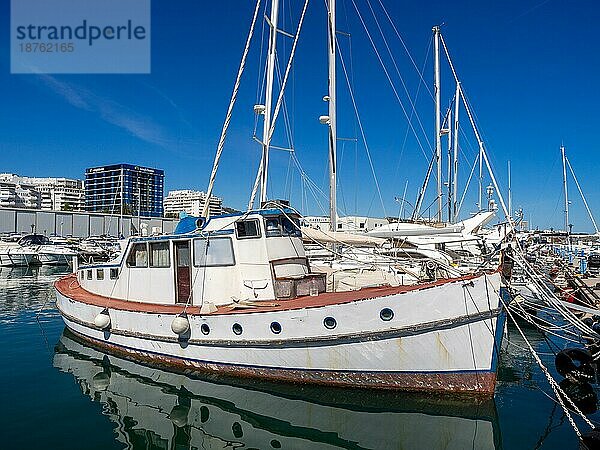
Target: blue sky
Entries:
(527, 67)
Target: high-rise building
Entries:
(58, 194)
(191, 202)
(126, 189)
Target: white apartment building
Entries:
(15, 195)
(58, 194)
(348, 223)
(191, 202)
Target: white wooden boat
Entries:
(235, 295)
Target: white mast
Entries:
(268, 99)
(455, 171)
(509, 193)
(564, 161)
(331, 41)
(587, 207)
(450, 201)
(438, 137)
(122, 201)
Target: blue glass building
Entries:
(125, 189)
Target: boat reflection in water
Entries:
(157, 409)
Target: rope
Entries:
(205, 209)
(558, 391)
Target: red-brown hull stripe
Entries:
(70, 287)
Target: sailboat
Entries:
(235, 294)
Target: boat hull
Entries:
(55, 259)
(14, 259)
(444, 338)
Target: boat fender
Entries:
(180, 324)
(581, 394)
(100, 381)
(179, 415)
(102, 320)
(574, 364)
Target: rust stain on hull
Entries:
(472, 383)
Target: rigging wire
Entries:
(360, 126)
(391, 55)
(391, 82)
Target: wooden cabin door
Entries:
(183, 272)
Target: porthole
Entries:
(276, 327)
(237, 328)
(237, 430)
(275, 443)
(386, 314)
(204, 328)
(329, 323)
(204, 414)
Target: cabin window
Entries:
(272, 227)
(282, 226)
(339, 226)
(159, 254)
(99, 274)
(290, 228)
(213, 252)
(247, 229)
(114, 274)
(89, 274)
(362, 225)
(138, 256)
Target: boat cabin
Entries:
(250, 256)
(33, 239)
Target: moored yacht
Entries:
(19, 251)
(235, 295)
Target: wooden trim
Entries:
(70, 287)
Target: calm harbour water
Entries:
(59, 393)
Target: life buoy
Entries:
(575, 364)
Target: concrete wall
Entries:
(77, 224)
